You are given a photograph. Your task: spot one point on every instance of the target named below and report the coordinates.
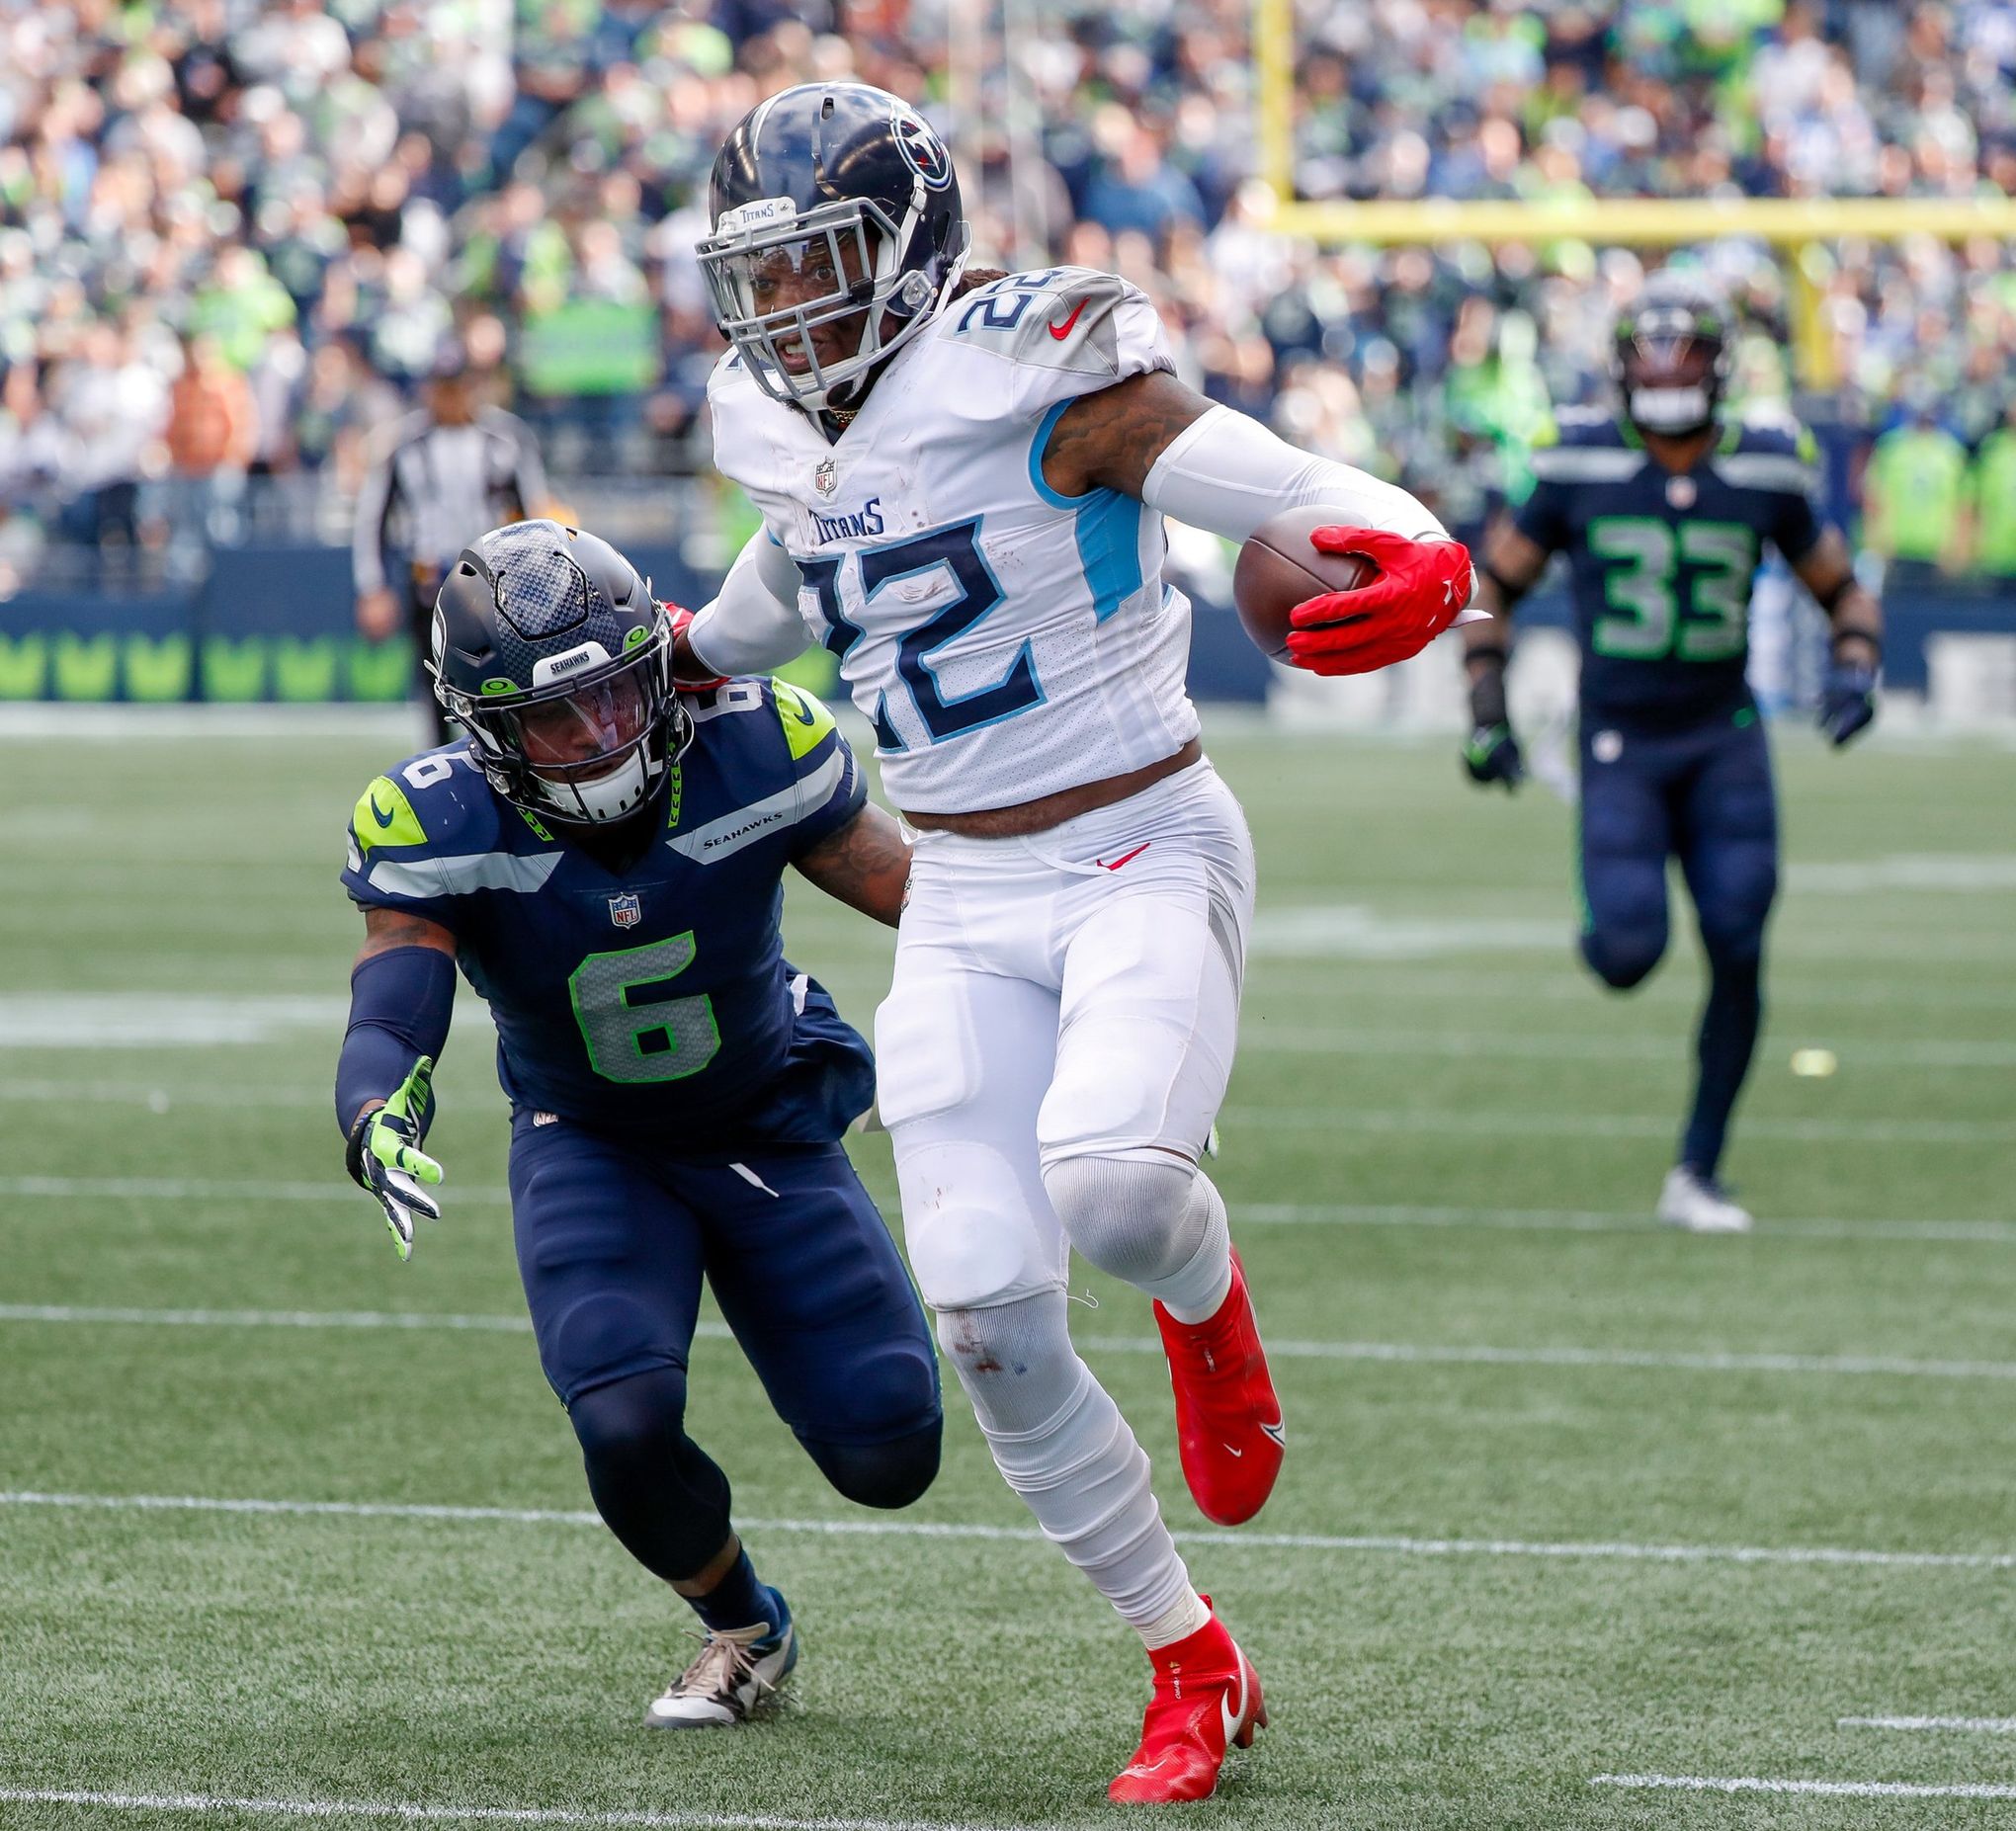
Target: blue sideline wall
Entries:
(275, 624)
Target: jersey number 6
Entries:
(957, 550)
(634, 1032)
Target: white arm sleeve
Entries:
(753, 624)
(1227, 474)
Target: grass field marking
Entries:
(273, 1318)
(1847, 1790)
(1387, 1543)
(1394, 1353)
(1258, 1213)
(1340, 983)
(203, 1189)
(1586, 1220)
(1478, 1122)
(411, 1812)
(1965, 1725)
(1647, 1047)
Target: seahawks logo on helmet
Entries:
(923, 151)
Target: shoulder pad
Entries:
(1593, 426)
(1065, 319)
(1775, 431)
(804, 719)
(436, 800)
(726, 372)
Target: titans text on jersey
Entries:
(998, 634)
(656, 998)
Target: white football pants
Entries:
(1068, 998)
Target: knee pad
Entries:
(1621, 957)
(1733, 924)
(889, 1474)
(628, 1420)
(1130, 1216)
(603, 1339)
(971, 1225)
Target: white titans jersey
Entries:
(1007, 641)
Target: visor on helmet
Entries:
(1670, 364)
(589, 752)
(804, 296)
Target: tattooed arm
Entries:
(1151, 438)
(866, 865)
(387, 929)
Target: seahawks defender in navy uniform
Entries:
(1663, 513)
(602, 856)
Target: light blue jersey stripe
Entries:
(1107, 525)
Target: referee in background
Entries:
(445, 474)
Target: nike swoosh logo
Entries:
(379, 815)
(1063, 330)
(1239, 1454)
(1231, 1718)
(1128, 859)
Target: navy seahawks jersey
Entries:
(654, 998)
(1662, 564)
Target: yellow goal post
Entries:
(1803, 224)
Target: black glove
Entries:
(1491, 752)
(1847, 700)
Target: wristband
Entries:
(1839, 637)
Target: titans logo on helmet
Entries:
(923, 151)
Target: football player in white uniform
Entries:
(963, 478)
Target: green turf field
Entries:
(1566, 1497)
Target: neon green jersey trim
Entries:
(384, 817)
(804, 719)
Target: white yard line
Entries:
(1395, 1543)
(1609, 1220)
(1966, 1726)
(1303, 993)
(410, 1812)
(1247, 1213)
(1848, 1789)
(1400, 1353)
(1474, 1123)
(202, 1189)
(1645, 1047)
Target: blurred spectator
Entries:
(444, 475)
(212, 437)
(1915, 490)
(114, 404)
(302, 176)
(1991, 492)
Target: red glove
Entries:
(682, 621)
(1420, 588)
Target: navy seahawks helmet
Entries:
(838, 234)
(1671, 354)
(551, 650)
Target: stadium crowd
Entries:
(235, 233)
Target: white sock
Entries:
(1197, 1289)
(1060, 1442)
(1183, 1620)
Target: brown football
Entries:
(1278, 569)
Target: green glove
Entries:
(384, 1157)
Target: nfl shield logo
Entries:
(626, 911)
(825, 476)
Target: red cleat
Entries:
(1228, 1419)
(1206, 1700)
